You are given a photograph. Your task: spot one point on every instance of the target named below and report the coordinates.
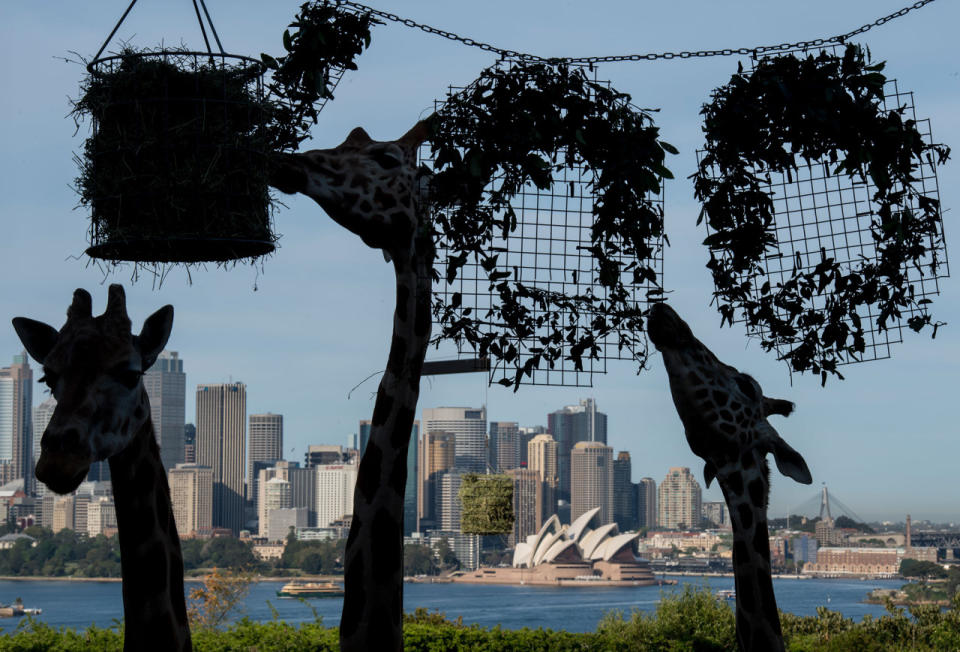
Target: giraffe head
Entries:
(370, 187)
(93, 367)
(724, 411)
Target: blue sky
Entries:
(315, 320)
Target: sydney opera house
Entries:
(572, 554)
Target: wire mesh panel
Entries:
(822, 214)
(548, 253)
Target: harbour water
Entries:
(81, 604)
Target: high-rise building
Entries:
(318, 454)
(410, 490)
(591, 481)
(570, 425)
(647, 503)
(191, 493)
(542, 459)
(335, 486)
(504, 445)
(469, 427)
(63, 513)
(624, 495)
(526, 434)
(166, 386)
(41, 417)
(527, 504)
(679, 498)
(190, 444)
(221, 439)
(714, 511)
(16, 429)
(101, 517)
(266, 445)
(303, 486)
(276, 495)
(363, 434)
(437, 456)
(449, 509)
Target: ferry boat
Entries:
(310, 590)
(726, 594)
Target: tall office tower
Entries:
(221, 435)
(166, 386)
(449, 509)
(647, 503)
(542, 459)
(570, 425)
(526, 434)
(318, 454)
(363, 435)
(16, 429)
(190, 443)
(624, 495)
(101, 517)
(410, 489)
(63, 513)
(504, 445)
(469, 426)
(714, 512)
(191, 493)
(437, 456)
(591, 480)
(303, 486)
(679, 499)
(335, 485)
(276, 495)
(266, 445)
(527, 504)
(41, 417)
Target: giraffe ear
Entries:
(789, 462)
(38, 338)
(154, 335)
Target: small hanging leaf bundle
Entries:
(487, 504)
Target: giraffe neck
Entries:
(758, 622)
(155, 614)
(373, 578)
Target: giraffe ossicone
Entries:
(724, 414)
(94, 368)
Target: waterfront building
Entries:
(284, 518)
(191, 494)
(570, 425)
(827, 534)
(679, 500)
(528, 508)
(63, 513)
(504, 445)
(265, 434)
(437, 456)
(840, 562)
(699, 541)
(591, 482)
(647, 503)
(166, 386)
(303, 489)
(542, 459)
(469, 428)
(16, 429)
(276, 495)
(466, 547)
(334, 486)
(624, 495)
(101, 517)
(221, 440)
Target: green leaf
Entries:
(287, 43)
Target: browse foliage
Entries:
(487, 504)
(824, 109)
(521, 126)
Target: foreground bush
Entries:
(689, 621)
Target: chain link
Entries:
(650, 56)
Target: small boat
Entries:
(310, 590)
(726, 594)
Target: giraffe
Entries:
(724, 414)
(94, 367)
(371, 188)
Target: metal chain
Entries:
(650, 56)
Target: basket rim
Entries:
(92, 66)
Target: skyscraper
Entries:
(363, 434)
(191, 493)
(335, 486)
(41, 417)
(266, 445)
(679, 498)
(527, 504)
(166, 386)
(624, 495)
(16, 417)
(469, 427)
(647, 503)
(570, 425)
(504, 445)
(591, 481)
(410, 490)
(190, 443)
(449, 509)
(542, 459)
(437, 455)
(221, 435)
(526, 434)
(276, 495)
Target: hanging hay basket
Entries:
(487, 504)
(175, 169)
(821, 203)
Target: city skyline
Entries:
(305, 328)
